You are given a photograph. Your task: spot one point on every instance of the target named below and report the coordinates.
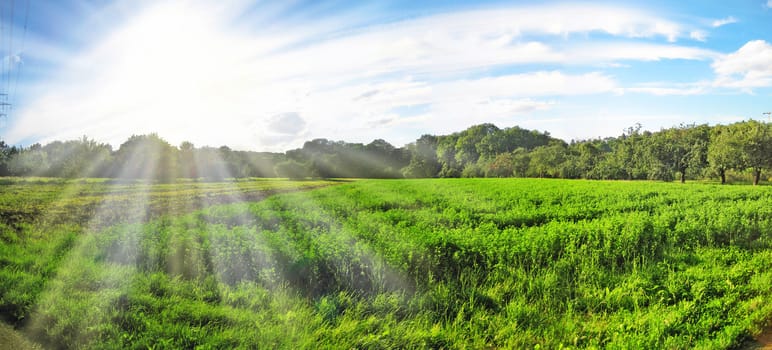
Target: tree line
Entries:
(680, 152)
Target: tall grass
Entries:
(474, 263)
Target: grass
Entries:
(473, 263)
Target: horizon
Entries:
(115, 147)
(268, 77)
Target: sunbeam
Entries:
(84, 287)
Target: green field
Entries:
(451, 263)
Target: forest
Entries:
(741, 150)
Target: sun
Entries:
(167, 54)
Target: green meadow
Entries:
(381, 264)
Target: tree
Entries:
(6, 154)
(724, 151)
(588, 155)
(755, 139)
(468, 143)
(521, 160)
(446, 155)
(78, 158)
(32, 161)
(501, 166)
(423, 158)
(546, 161)
(146, 157)
(292, 170)
(508, 139)
(630, 154)
(679, 149)
(187, 161)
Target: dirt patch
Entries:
(762, 341)
(13, 339)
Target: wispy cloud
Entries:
(671, 89)
(724, 21)
(699, 35)
(193, 72)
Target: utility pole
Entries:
(4, 108)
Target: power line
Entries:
(12, 62)
(10, 50)
(21, 63)
(3, 92)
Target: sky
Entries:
(270, 75)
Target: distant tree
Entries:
(32, 161)
(262, 164)
(546, 161)
(521, 161)
(327, 158)
(587, 155)
(78, 158)
(724, 151)
(6, 154)
(446, 155)
(292, 170)
(423, 158)
(419, 168)
(630, 154)
(385, 160)
(756, 140)
(502, 166)
(472, 170)
(468, 143)
(234, 165)
(679, 149)
(146, 157)
(187, 161)
(508, 139)
(450, 170)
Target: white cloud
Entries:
(561, 20)
(699, 35)
(769, 3)
(608, 52)
(185, 71)
(670, 89)
(544, 83)
(724, 21)
(748, 67)
(289, 123)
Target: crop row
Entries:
(420, 263)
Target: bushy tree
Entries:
(78, 158)
(755, 138)
(6, 154)
(723, 151)
(32, 161)
(546, 161)
(146, 157)
(502, 166)
(677, 150)
(292, 170)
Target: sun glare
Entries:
(174, 69)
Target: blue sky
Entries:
(270, 75)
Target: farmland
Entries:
(437, 263)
